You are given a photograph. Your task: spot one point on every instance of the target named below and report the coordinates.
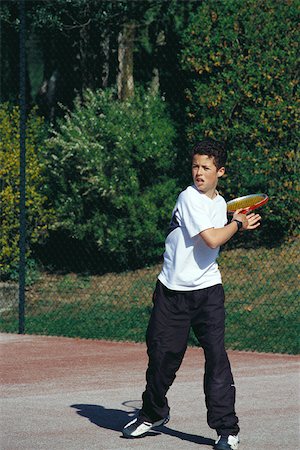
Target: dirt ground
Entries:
(69, 394)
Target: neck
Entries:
(211, 194)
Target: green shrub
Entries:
(38, 215)
(242, 60)
(110, 176)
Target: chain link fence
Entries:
(93, 277)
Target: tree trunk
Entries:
(125, 57)
(155, 82)
(87, 79)
(105, 67)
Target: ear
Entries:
(221, 172)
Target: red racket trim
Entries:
(247, 203)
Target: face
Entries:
(205, 174)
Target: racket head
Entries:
(247, 203)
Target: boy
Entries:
(189, 293)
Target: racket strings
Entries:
(244, 202)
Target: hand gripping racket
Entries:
(247, 203)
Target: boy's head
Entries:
(208, 165)
(213, 149)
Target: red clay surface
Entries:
(69, 394)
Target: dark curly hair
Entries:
(212, 149)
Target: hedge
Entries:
(38, 214)
(241, 58)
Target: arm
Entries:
(214, 237)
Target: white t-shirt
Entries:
(189, 264)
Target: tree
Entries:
(242, 64)
(111, 180)
(94, 44)
(10, 64)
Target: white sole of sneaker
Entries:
(142, 429)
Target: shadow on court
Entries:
(111, 419)
(114, 419)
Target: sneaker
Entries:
(139, 427)
(227, 443)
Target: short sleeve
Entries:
(194, 213)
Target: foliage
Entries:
(109, 167)
(242, 61)
(38, 214)
(9, 42)
(75, 42)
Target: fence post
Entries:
(22, 236)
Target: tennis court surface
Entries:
(69, 394)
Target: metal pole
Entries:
(22, 242)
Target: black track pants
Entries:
(173, 314)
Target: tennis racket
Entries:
(247, 203)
